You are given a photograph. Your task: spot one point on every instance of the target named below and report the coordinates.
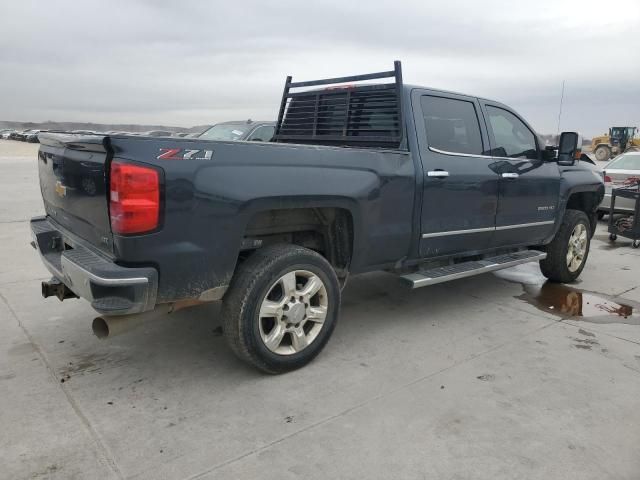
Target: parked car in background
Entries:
(240, 130)
(158, 133)
(5, 132)
(84, 132)
(17, 135)
(620, 171)
(32, 136)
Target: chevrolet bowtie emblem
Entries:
(61, 190)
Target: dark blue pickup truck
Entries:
(363, 173)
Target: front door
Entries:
(529, 187)
(460, 188)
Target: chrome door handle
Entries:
(437, 173)
(510, 175)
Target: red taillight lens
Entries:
(134, 201)
(607, 178)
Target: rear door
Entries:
(460, 189)
(529, 187)
(73, 185)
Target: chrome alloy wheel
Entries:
(293, 312)
(577, 247)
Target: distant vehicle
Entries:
(19, 135)
(4, 133)
(84, 132)
(32, 136)
(619, 140)
(158, 133)
(620, 171)
(240, 130)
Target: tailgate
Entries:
(73, 183)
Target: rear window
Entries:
(452, 125)
(346, 116)
(626, 162)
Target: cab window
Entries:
(452, 125)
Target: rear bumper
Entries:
(110, 288)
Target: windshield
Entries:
(625, 162)
(224, 132)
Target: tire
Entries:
(569, 239)
(636, 244)
(290, 332)
(602, 153)
(601, 214)
(613, 237)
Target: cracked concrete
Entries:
(461, 380)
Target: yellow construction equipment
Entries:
(619, 140)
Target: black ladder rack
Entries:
(365, 115)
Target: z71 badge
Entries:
(184, 154)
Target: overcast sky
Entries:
(188, 63)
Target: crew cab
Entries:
(363, 173)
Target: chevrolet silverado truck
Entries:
(363, 173)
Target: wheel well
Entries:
(328, 231)
(588, 203)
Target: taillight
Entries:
(607, 178)
(134, 200)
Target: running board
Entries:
(469, 269)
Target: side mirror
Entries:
(570, 148)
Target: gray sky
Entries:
(196, 62)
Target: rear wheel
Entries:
(567, 253)
(602, 153)
(281, 307)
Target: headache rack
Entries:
(364, 115)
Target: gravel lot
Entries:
(487, 378)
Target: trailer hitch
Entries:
(55, 288)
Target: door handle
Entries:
(437, 173)
(510, 175)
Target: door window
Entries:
(509, 136)
(452, 125)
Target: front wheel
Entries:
(281, 307)
(602, 153)
(567, 253)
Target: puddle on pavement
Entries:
(571, 303)
(568, 302)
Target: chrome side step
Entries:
(469, 269)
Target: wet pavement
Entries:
(503, 376)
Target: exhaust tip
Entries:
(100, 327)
